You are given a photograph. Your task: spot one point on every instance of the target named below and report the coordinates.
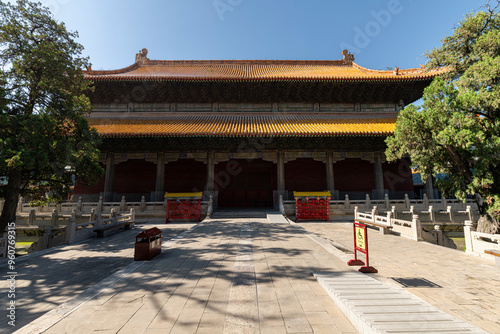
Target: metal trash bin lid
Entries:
(149, 233)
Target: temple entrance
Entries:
(244, 183)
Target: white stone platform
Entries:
(374, 307)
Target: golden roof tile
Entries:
(196, 125)
(256, 70)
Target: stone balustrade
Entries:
(76, 232)
(434, 209)
(477, 243)
(84, 209)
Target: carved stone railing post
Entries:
(387, 202)
(132, 212)
(99, 205)
(407, 201)
(123, 204)
(47, 233)
(383, 230)
(79, 205)
(439, 235)
(143, 203)
(32, 217)
(20, 204)
(426, 201)
(468, 229)
(469, 213)
(114, 221)
(92, 215)
(73, 214)
(70, 231)
(416, 228)
(368, 202)
(98, 223)
(374, 213)
(356, 210)
(53, 218)
(394, 212)
(347, 202)
(432, 216)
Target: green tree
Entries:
(456, 131)
(45, 139)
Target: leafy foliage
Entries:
(45, 139)
(457, 129)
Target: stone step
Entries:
(373, 307)
(234, 214)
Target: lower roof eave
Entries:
(247, 136)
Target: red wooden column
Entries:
(160, 177)
(110, 177)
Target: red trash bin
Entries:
(147, 244)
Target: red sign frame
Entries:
(360, 235)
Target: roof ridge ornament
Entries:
(348, 57)
(141, 57)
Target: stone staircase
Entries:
(231, 213)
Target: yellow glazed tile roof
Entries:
(195, 125)
(345, 70)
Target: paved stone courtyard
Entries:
(235, 276)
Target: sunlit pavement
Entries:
(238, 276)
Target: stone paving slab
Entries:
(225, 276)
(388, 311)
(48, 279)
(465, 287)
(203, 281)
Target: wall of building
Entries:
(305, 174)
(398, 176)
(185, 175)
(134, 177)
(354, 175)
(81, 189)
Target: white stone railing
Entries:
(78, 232)
(408, 206)
(81, 208)
(409, 229)
(477, 243)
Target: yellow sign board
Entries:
(312, 193)
(360, 238)
(183, 195)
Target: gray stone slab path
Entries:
(465, 287)
(241, 276)
(50, 278)
(224, 276)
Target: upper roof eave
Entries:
(345, 70)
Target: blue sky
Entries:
(380, 33)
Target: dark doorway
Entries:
(244, 183)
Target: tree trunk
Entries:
(11, 198)
(488, 224)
